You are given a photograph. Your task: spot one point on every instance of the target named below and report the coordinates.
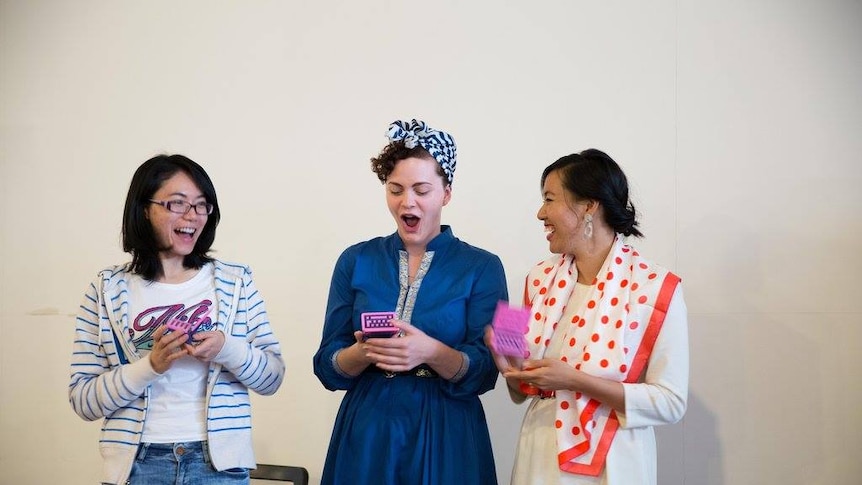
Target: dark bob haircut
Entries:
(384, 164)
(593, 175)
(139, 239)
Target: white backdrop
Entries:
(737, 122)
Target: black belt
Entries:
(423, 371)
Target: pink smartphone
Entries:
(510, 325)
(184, 325)
(377, 324)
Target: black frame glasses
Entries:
(183, 207)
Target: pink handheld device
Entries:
(510, 325)
(183, 325)
(376, 324)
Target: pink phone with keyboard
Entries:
(510, 326)
(184, 325)
(377, 324)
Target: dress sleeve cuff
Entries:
(338, 369)
(462, 371)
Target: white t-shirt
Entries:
(176, 410)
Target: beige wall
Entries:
(738, 124)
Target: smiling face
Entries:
(415, 194)
(562, 215)
(176, 234)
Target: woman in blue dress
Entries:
(411, 414)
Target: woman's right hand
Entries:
(167, 348)
(352, 360)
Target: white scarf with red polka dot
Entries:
(611, 337)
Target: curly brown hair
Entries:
(384, 163)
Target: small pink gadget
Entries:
(376, 324)
(510, 325)
(183, 325)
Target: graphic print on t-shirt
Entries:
(146, 323)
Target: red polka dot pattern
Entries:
(612, 321)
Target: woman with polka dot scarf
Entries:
(607, 340)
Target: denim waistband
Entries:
(179, 449)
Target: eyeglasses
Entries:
(182, 207)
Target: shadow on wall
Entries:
(698, 453)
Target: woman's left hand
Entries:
(402, 353)
(206, 345)
(546, 374)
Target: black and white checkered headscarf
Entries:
(439, 144)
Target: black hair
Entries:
(384, 163)
(593, 175)
(139, 239)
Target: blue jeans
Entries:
(181, 464)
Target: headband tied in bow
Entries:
(439, 144)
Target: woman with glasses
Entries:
(168, 345)
(411, 414)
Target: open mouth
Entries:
(410, 221)
(186, 232)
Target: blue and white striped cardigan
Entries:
(110, 380)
